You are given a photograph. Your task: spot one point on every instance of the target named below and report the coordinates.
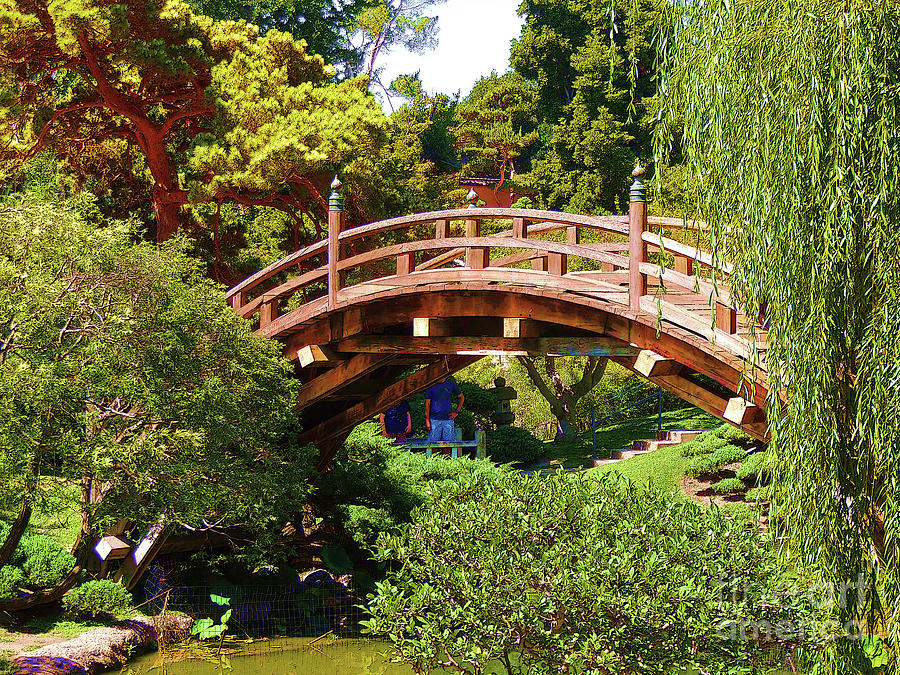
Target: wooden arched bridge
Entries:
(377, 313)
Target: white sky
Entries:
(473, 39)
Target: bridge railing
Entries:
(451, 246)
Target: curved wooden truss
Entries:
(379, 312)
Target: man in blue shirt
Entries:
(443, 402)
(396, 423)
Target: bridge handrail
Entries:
(540, 222)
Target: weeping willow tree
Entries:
(788, 112)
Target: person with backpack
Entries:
(396, 423)
(443, 402)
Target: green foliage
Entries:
(705, 444)
(375, 485)
(496, 124)
(11, 580)
(584, 58)
(734, 434)
(97, 599)
(759, 493)
(336, 559)
(206, 627)
(481, 402)
(728, 486)
(512, 444)
(753, 469)
(573, 583)
(707, 464)
(43, 560)
(789, 113)
(124, 363)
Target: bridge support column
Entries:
(335, 225)
(637, 248)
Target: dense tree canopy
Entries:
(202, 111)
(790, 114)
(123, 371)
(590, 93)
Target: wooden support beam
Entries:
(573, 234)
(449, 345)
(558, 264)
(389, 396)
(111, 548)
(406, 263)
(726, 318)
(268, 312)
(341, 376)
(650, 364)
(238, 300)
(477, 258)
(143, 554)
(520, 228)
(429, 327)
(684, 265)
(335, 226)
(740, 411)
(317, 355)
(539, 264)
(637, 248)
(520, 328)
(441, 229)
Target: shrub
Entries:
(711, 463)
(705, 444)
(733, 434)
(512, 444)
(728, 485)
(11, 580)
(97, 599)
(753, 468)
(575, 573)
(45, 561)
(762, 494)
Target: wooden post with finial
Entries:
(477, 258)
(637, 248)
(335, 226)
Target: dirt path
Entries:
(17, 643)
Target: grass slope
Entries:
(663, 468)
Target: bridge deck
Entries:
(360, 310)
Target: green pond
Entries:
(287, 656)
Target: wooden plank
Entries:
(520, 328)
(285, 290)
(557, 264)
(317, 355)
(685, 251)
(268, 312)
(448, 345)
(342, 375)
(539, 264)
(238, 300)
(573, 234)
(441, 228)
(463, 243)
(388, 397)
(684, 265)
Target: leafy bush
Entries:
(555, 574)
(512, 444)
(733, 435)
(707, 464)
(753, 469)
(11, 580)
(480, 402)
(758, 494)
(727, 486)
(45, 562)
(97, 599)
(705, 444)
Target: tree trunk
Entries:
(167, 217)
(15, 532)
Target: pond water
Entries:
(288, 656)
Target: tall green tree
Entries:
(790, 113)
(592, 65)
(124, 375)
(205, 112)
(496, 125)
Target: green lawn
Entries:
(663, 468)
(616, 435)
